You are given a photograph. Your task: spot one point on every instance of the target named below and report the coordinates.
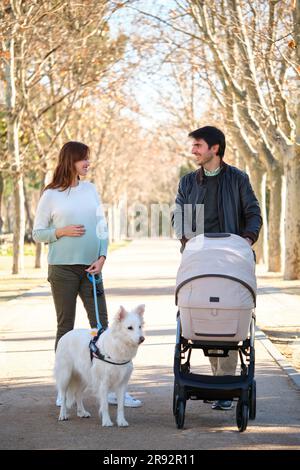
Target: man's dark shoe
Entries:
(222, 405)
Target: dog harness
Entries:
(95, 351)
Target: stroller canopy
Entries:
(218, 255)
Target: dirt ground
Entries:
(285, 338)
(286, 346)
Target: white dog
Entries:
(74, 369)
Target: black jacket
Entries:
(238, 208)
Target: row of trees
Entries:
(232, 63)
(64, 74)
(246, 55)
(53, 54)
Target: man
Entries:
(230, 206)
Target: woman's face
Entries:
(82, 167)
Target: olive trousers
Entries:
(67, 282)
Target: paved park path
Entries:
(142, 272)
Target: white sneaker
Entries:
(130, 402)
(58, 400)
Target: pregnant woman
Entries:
(70, 218)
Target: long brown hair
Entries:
(65, 172)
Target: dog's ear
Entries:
(121, 313)
(140, 309)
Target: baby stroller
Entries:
(215, 295)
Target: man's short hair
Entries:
(212, 136)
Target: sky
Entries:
(151, 79)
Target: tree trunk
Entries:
(292, 218)
(38, 263)
(292, 173)
(258, 182)
(19, 224)
(29, 224)
(239, 161)
(274, 219)
(1, 196)
(13, 121)
(9, 212)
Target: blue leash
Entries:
(94, 350)
(94, 281)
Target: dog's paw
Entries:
(83, 414)
(122, 423)
(107, 423)
(63, 417)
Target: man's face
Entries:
(202, 153)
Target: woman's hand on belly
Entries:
(70, 231)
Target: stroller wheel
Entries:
(175, 397)
(242, 411)
(180, 413)
(252, 400)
